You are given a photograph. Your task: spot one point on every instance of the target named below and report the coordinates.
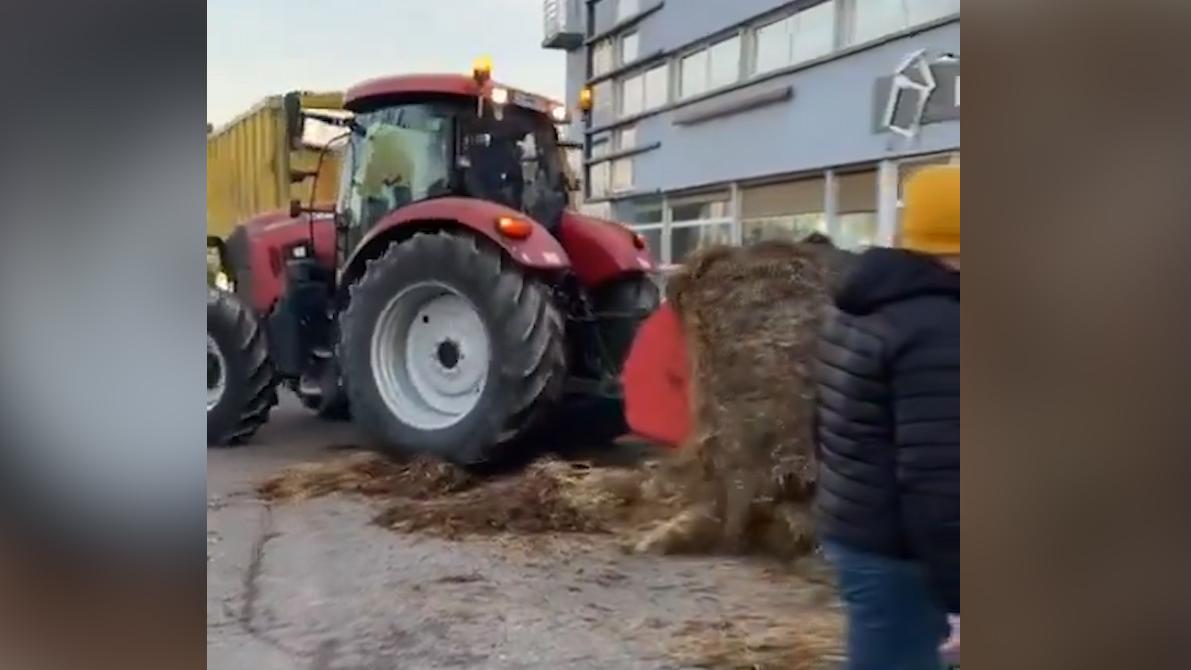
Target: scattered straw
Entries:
(532, 502)
(369, 474)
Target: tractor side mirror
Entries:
(295, 208)
(295, 122)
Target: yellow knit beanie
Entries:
(930, 211)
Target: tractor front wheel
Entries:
(241, 385)
(451, 349)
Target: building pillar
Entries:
(734, 208)
(887, 203)
(830, 202)
(666, 220)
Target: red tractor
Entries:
(450, 303)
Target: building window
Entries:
(630, 46)
(626, 138)
(598, 180)
(645, 91)
(602, 110)
(601, 145)
(700, 208)
(632, 95)
(788, 210)
(794, 39)
(699, 221)
(644, 211)
(723, 67)
(812, 32)
(645, 216)
(872, 19)
(685, 239)
(711, 68)
(773, 46)
(622, 175)
(627, 8)
(657, 87)
(601, 58)
(855, 226)
(694, 74)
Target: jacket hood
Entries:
(881, 276)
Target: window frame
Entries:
(605, 101)
(846, 34)
(724, 225)
(621, 60)
(609, 46)
(739, 57)
(641, 80)
(789, 22)
(621, 164)
(649, 106)
(622, 85)
(634, 8)
(705, 51)
(604, 167)
(754, 64)
(619, 134)
(799, 16)
(682, 72)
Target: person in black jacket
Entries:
(887, 497)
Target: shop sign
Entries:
(921, 90)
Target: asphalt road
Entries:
(314, 585)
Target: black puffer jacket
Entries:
(888, 414)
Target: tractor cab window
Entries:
(514, 160)
(401, 155)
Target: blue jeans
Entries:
(894, 620)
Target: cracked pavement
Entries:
(314, 585)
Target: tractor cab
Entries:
(419, 137)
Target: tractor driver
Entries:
(385, 173)
(512, 163)
(494, 165)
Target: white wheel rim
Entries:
(216, 373)
(430, 356)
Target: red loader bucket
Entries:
(657, 381)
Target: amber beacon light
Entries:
(586, 99)
(481, 70)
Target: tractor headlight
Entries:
(500, 96)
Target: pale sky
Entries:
(257, 48)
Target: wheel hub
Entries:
(448, 354)
(430, 356)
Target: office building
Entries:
(740, 120)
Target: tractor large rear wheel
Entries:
(241, 385)
(451, 349)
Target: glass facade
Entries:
(843, 204)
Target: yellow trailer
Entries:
(265, 158)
